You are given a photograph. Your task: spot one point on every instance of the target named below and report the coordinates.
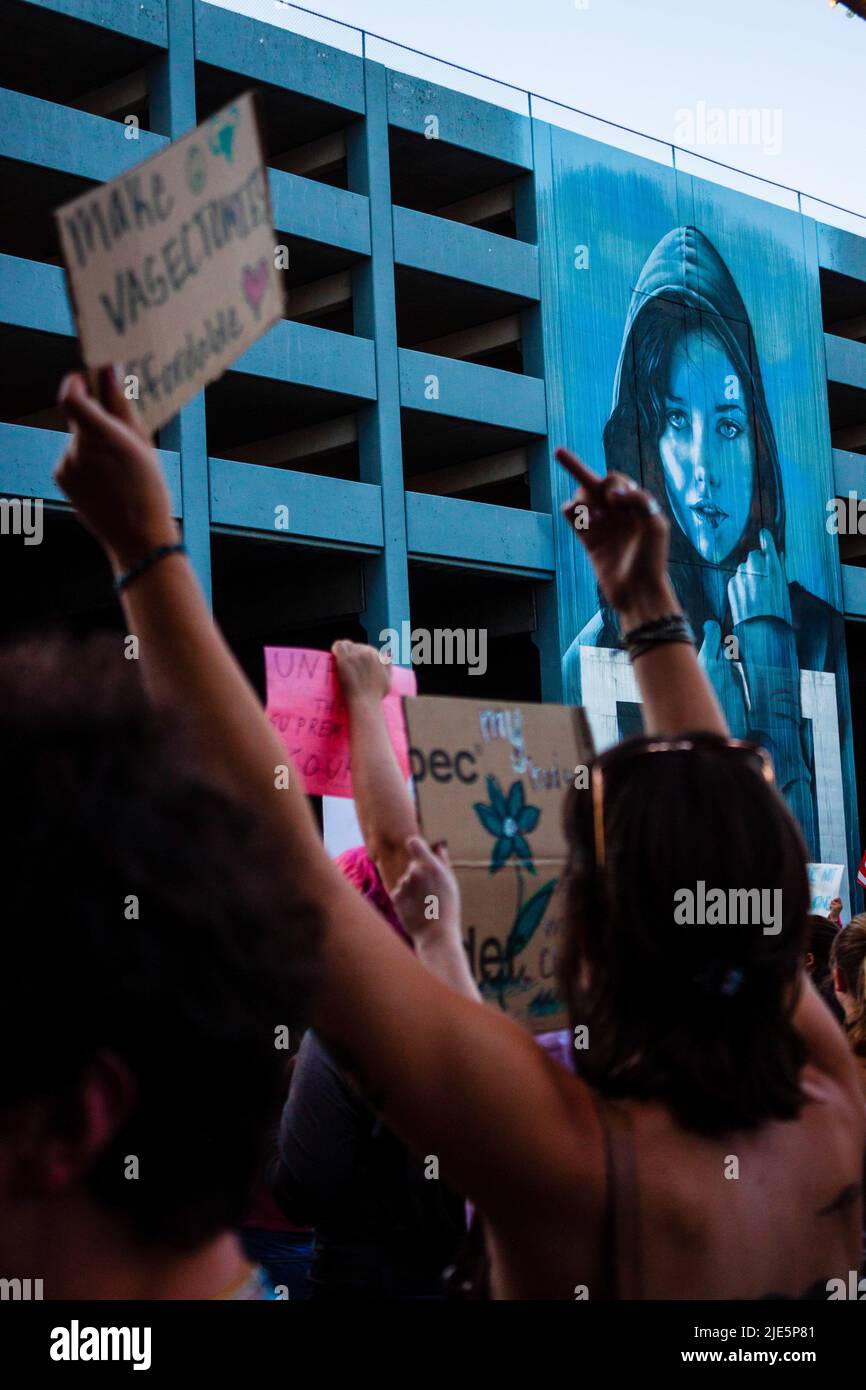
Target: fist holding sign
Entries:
(171, 266)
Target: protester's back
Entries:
(150, 953)
(729, 1157)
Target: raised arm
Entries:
(627, 541)
(451, 1076)
(385, 808)
(626, 536)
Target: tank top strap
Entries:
(621, 1253)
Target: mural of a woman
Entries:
(690, 422)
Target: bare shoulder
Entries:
(835, 1100)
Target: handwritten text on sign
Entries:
(306, 707)
(172, 266)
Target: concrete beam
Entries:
(331, 292)
(849, 438)
(463, 477)
(425, 242)
(846, 361)
(318, 157)
(466, 391)
(849, 328)
(267, 53)
(329, 511)
(305, 443)
(478, 535)
(480, 208)
(119, 98)
(468, 342)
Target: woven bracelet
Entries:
(124, 580)
(671, 628)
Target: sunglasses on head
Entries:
(749, 754)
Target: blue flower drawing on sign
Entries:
(509, 819)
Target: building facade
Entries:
(466, 288)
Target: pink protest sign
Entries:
(306, 707)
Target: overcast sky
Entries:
(676, 69)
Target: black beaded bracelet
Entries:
(673, 627)
(124, 580)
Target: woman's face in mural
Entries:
(707, 446)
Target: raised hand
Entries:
(759, 589)
(362, 673)
(427, 901)
(110, 472)
(626, 537)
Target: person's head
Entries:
(152, 949)
(356, 865)
(821, 935)
(690, 420)
(687, 991)
(848, 963)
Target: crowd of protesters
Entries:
(172, 910)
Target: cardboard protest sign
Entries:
(306, 707)
(490, 778)
(825, 883)
(171, 266)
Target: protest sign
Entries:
(171, 266)
(825, 883)
(306, 707)
(490, 778)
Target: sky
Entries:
(678, 70)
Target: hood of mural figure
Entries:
(685, 268)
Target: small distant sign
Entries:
(825, 884)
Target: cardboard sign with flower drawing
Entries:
(490, 778)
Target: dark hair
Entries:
(696, 1017)
(821, 935)
(849, 957)
(145, 916)
(637, 421)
